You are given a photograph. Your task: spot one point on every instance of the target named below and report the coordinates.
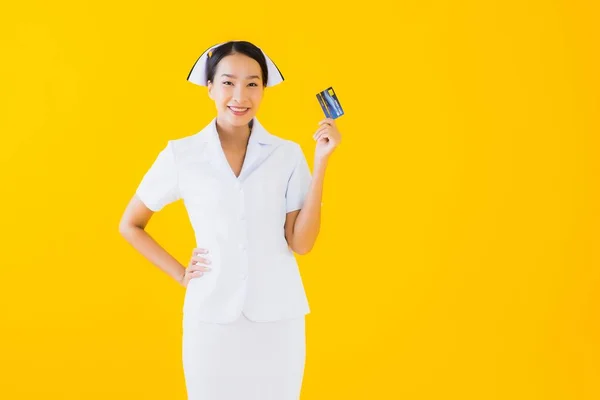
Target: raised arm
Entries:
(302, 226)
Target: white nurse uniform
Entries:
(243, 321)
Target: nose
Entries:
(239, 94)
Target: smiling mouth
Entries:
(238, 110)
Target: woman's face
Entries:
(237, 89)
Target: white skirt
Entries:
(244, 360)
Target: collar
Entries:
(260, 145)
(258, 133)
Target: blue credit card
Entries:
(330, 104)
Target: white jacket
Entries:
(240, 220)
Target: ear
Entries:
(210, 85)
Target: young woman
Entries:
(252, 202)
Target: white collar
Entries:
(258, 134)
(260, 145)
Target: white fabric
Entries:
(159, 186)
(240, 220)
(198, 73)
(244, 360)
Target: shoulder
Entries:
(185, 146)
(291, 147)
(183, 142)
(291, 155)
(283, 145)
(287, 146)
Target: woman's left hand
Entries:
(328, 138)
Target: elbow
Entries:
(125, 229)
(302, 249)
(301, 252)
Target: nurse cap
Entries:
(198, 73)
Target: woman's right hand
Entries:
(196, 267)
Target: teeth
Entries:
(238, 109)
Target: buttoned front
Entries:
(240, 220)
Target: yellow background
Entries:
(459, 255)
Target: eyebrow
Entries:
(248, 77)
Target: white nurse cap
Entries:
(198, 73)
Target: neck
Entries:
(234, 136)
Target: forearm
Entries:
(150, 249)
(308, 222)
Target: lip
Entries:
(239, 113)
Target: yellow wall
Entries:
(459, 250)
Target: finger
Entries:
(201, 260)
(202, 268)
(194, 271)
(324, 127)
(319, 131)
(197, 268)
(199, 250)
(323, 135)
(194, 267)
(189, 275)
(318, 136)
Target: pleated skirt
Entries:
(244, 360)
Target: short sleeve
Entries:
(159, 185)
(299, 182)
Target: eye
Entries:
(253, 84)
(226, 82)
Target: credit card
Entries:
(330, 103)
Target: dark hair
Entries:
(234, 47)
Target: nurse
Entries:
(252, 202)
